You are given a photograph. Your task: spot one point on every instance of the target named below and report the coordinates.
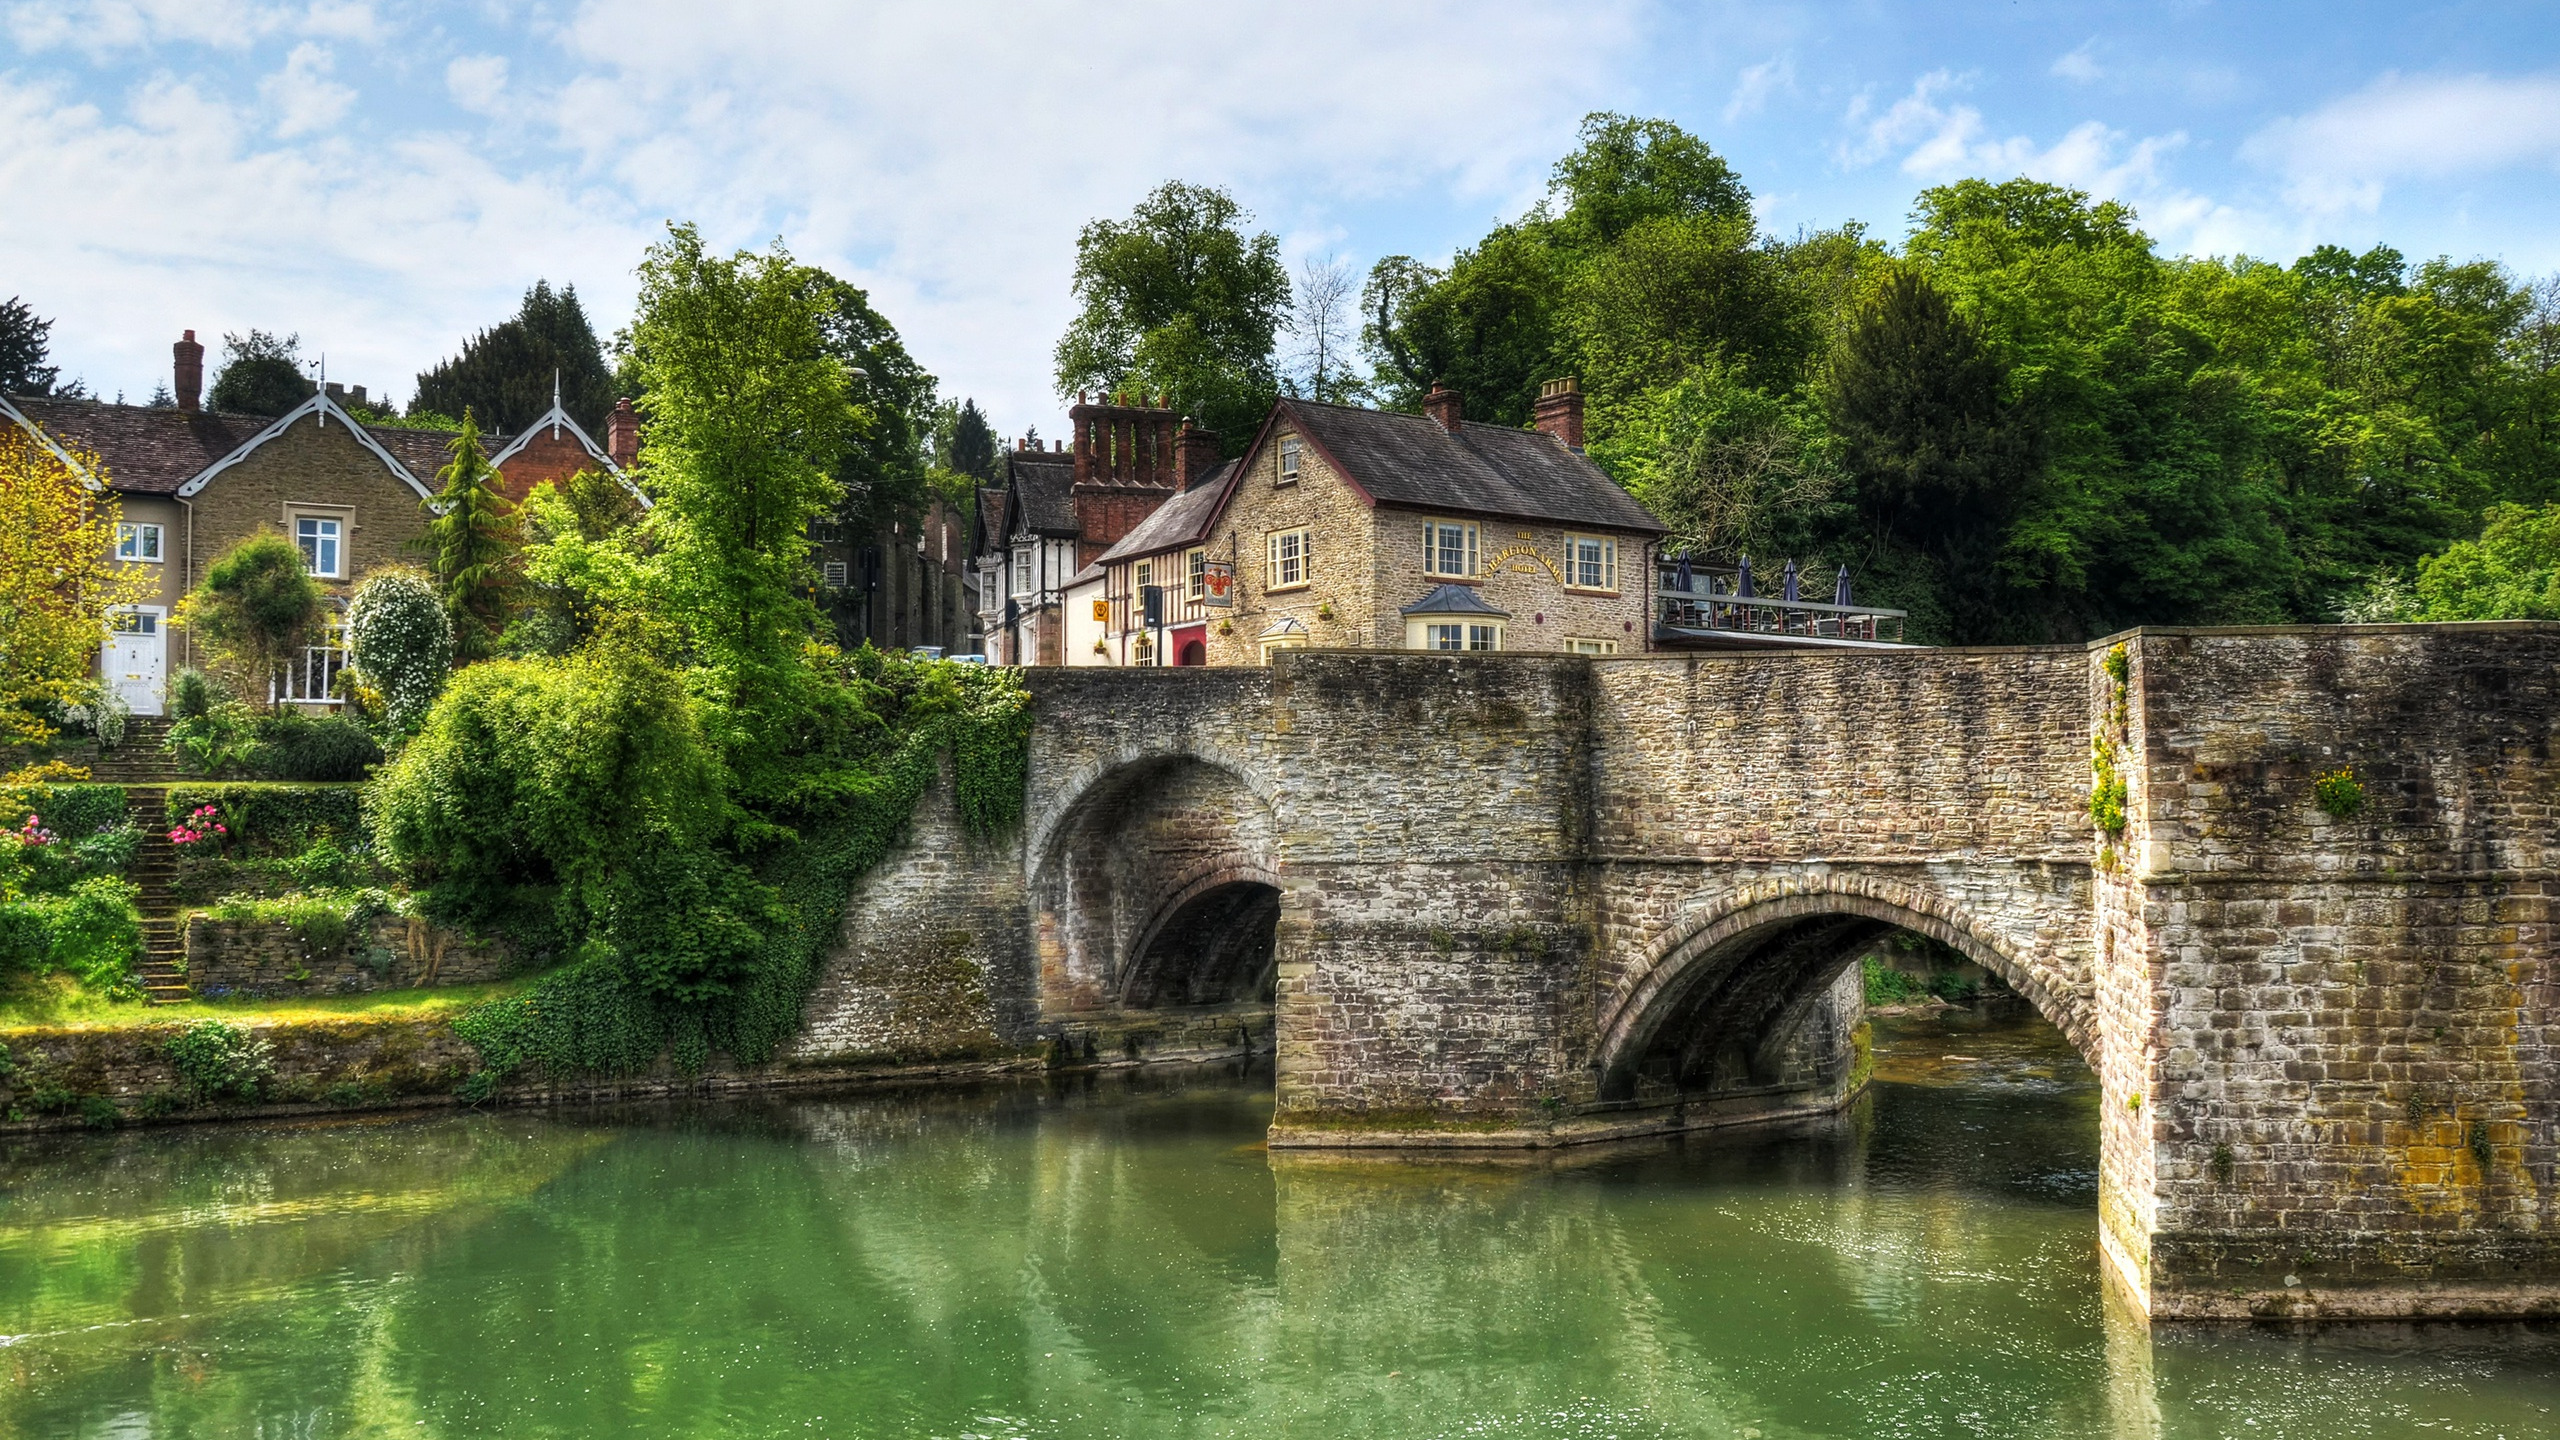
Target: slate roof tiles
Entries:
(1409, 460)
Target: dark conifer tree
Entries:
(973, 443)
(504, 375)
(1940, 456)
(25, 341)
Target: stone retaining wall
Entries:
(263, 960)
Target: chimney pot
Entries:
(1442, 405)
(622, 434)
(1559, 411)
(187, 372)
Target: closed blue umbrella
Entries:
(1742, 583)
(1787, 584)
(1840, 588)
(1684, 577)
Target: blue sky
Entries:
(385, 179)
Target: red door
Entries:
(1191, 645)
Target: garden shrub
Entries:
(296, 747)
(401, 641)
(218, 743)
(273, 820)
(193, 694)
(218, 1060)
(56, 867)
(69, 810)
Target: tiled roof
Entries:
(422, 452)
(1045, 482)
(1186, 519)
(1454, 600)
(144, 449)
(1477, 469)
(990, 527)
(153, 450)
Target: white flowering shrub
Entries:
(401, 641)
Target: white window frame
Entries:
(313, 679)
(129, 537)
(1142, 648)
(1195, 570)
(835, 573)
(134, 621)
(1462, 636)
(1021, 572)
(1607, 547)
(1292, 456)
(1471, 549)
(1591, 647)
(336, 541)
(1279, 558)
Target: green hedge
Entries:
(70, 811)
(275, 819)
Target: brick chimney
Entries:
(622, 434)
(1442, 405)
(1560, 411)
(187, 371)
(1195, 455)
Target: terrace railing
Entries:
(1708, 605)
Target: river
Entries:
(1119, 1256)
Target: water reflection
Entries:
(1123, 1258)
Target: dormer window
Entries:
(1022, 571)
(1288, 459)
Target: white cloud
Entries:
(1751, 91)
(2340, 156)
(942, 156)
(2080, 64)
(303, 96)
(103, 27)
(177, 212)
(477, 82)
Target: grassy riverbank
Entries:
(67, 1006)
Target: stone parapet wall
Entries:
(262, 959)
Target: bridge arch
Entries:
(1751, 963)
(1156, 885)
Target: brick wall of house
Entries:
(165, 512)
(546, 456)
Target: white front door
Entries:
(136, 656)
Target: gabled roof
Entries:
(1184, 520)
(1043, 486)
(36, 432)
(318, 408)
(554, 420)
(146, 450)
(1411, 460)
(988, 529)
(1454, 600)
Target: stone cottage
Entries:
(191, 483)
(1351, 528)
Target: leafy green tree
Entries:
(471, 533)
(1730, 469)
(505, 374)
(1486, 327)
(2512, 572)
(1627, 171)
(257, 608)
(883, 468)
(747, 419)
(25, 343)
(1177, 300)
(260, 375)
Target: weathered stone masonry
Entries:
(1534, 899)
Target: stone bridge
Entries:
(1514, 900)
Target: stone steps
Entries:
(154, 872)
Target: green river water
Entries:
(1120, 1257)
